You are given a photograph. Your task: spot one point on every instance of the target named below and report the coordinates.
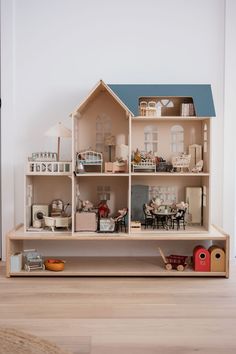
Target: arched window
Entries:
(150, 138)
(177, 139)
(103, 129)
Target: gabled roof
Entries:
(129, 94)
(99, 87)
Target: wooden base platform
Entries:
(118, 265)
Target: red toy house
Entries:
(201, 259)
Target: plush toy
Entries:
(103, 209)
(182, 206)
(120, 214)
(156, 202)
(86, 205)
(137, 156)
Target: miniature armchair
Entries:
(120, 220)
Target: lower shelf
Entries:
(117, 266)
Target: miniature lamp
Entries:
(59, 131)
(110, 141)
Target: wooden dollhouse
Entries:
(142, 152)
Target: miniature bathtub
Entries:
(58, 221)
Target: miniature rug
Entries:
(13, 341)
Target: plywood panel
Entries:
(45, 189)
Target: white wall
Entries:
(229, 191)
(7, 119)
(61, 48)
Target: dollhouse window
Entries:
(205, 138)
(177, 139)
(150, 138)
(168, 194)
(104, 192)
(103, 129)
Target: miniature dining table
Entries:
(166, 214)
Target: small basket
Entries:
(55, 265)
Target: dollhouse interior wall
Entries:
(193, 132)
(45, 190)
(162, 187)
(96, 189)
(101, 117)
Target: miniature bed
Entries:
(89, 158)
(145, 165)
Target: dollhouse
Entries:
(140, 171)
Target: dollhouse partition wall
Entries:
(131, 144)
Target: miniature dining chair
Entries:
(149, 218)
(179, 219)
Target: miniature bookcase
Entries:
(140, 171)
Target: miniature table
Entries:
(166, 214)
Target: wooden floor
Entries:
(124, 315)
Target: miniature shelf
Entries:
(113, 266)
(100, 174)
(170, 174)
(213, 234)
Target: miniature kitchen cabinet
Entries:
(125, 139)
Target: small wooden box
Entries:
(108, 167)
(120, 167)
(85, 221)
(135, 226)
(115, 167)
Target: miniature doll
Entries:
(103, 210)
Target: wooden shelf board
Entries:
(142, 118)
(49, 174)
(100, 174)
(146, 235)
(117, 266)
(170, 174)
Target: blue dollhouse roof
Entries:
(129, 94)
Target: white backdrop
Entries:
(55, 51)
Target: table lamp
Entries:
(110, 141)
(59, 131)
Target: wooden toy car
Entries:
(174, 261)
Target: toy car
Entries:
(174, 261)
(33, 260)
